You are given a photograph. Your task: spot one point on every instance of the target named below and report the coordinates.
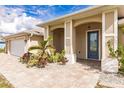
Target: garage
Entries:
(18, 44)
(17, 47)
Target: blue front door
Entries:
(93, 45)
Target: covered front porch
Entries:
(85, 36)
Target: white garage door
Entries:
(17, 47)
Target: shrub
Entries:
(118, 54)
(33, 61)
(46, 53)
(43, 48)
(25, 58)
(58, 57)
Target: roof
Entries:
(83, 11)
(38, 31)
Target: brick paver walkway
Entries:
(53, 76)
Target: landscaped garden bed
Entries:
(46, 53)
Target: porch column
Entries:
(28, 43)
(69, 41)
(48, 33)
(109, 32)
(8, 47)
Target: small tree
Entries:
(42, 48)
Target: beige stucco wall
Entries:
(57, 26)
(35, 39)
(58, 39)
(95, 18)
(109, 30)
(81, 31)
(109, 23)
(121, 36)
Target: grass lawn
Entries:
(1, 50)
(4, 83)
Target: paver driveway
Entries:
(58, 76)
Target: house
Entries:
(18, 44)
(84, 34)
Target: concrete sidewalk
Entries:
(53, 76)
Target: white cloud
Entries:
(13, 20)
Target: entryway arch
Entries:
(82, 38)
(58, 39)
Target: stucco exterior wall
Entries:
(35, 39)
(54, 27)
(121, 36)
(81, 31)
(95, 18)
(58, 39)
(109, 23)
(109, 32)
(109, 29)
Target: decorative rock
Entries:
(111, 80)
(110, 65)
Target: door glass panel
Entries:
(93, 42)
(93, 45)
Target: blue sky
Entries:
(46, 12)
(25, 17)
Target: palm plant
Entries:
(43, 48)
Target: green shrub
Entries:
(58, 57)
(118, 54)
(46, 53)
(43, 48)
(33, 61)
(25, 58)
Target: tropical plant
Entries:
(46, 53)
(63, 59)
(58, 57)
(118, 54)
(43, 48)
(25, 58)
(33, 61)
